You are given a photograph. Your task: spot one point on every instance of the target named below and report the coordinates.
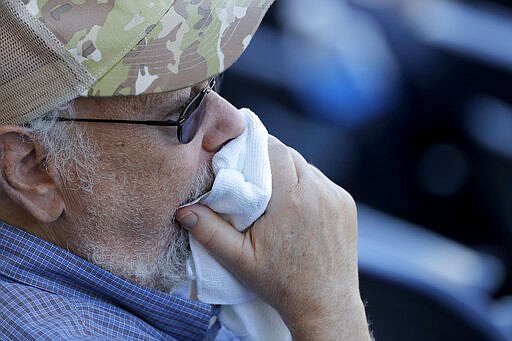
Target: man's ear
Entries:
(24, 177)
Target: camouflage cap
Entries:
(115, 47)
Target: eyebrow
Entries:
(174, 97)
(183, 99)
(192, 91)
(162, 104)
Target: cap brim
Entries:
(188, 45)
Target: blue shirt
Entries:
(48, 293)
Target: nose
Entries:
(223, 122)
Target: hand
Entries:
(300, 256)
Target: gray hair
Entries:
(69, 149)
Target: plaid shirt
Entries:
(47, 293)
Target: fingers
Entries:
(304, 169)
(281, 162)
(228, 246)
(213, 233)
(288, 166)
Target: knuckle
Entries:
(348, 203)
(272, 140)
(347, 198)
(298, 193)
(208, 239)
(277, 149)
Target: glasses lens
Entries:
(193, 118)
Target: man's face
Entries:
(125, 222)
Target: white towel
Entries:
(240, 193)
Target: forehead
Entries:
(131, 107)
(168, 97)
(164, 98)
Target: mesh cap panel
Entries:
(37, 73)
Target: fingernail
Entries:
(188, 220)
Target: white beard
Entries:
(160, 261)
(151, 252)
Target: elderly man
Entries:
(108, 124)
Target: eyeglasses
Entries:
(188, 122)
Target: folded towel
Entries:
(240, 193)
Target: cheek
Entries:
(158, 179)
(144, 169)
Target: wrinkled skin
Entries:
(300, 256)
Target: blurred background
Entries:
(408, 106)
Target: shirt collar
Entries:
(35, 262)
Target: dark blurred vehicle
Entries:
(407, 105)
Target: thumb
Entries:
(215, 234)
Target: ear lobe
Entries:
(25, 178)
